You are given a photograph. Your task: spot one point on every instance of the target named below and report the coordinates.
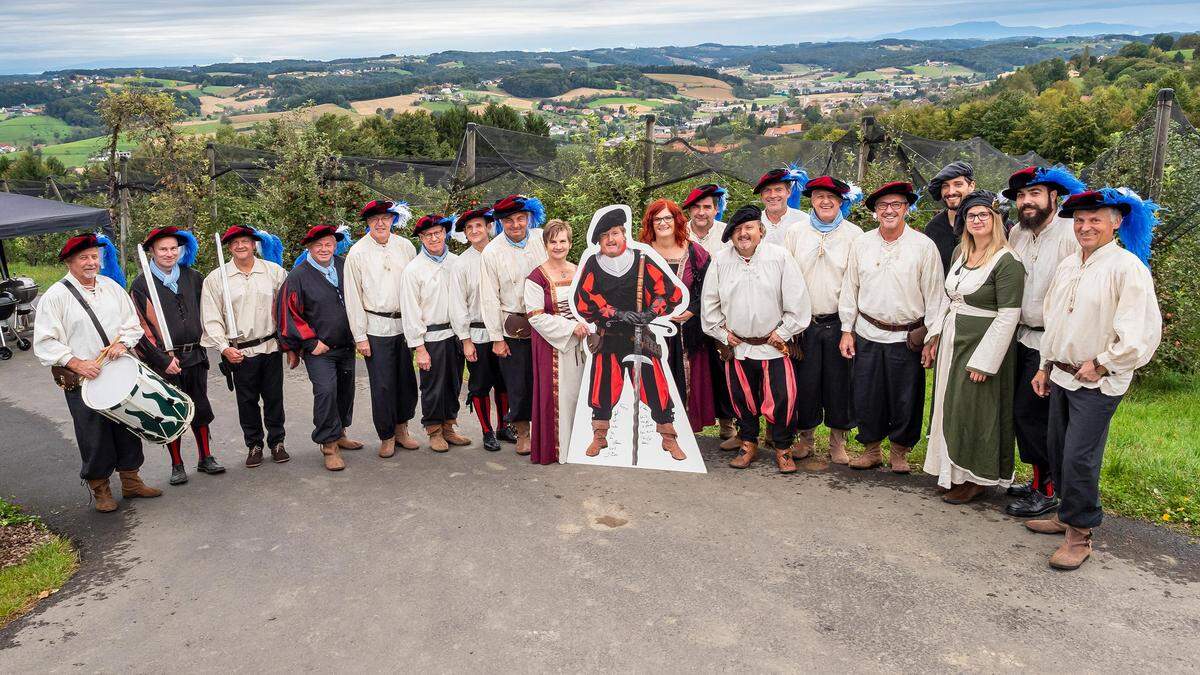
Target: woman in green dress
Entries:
(971, 434)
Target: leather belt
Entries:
(755, 341)
(1065, 367)
(256, 341)
(478, 324)
(436, 327)
(185, 348)
(386, 315)
(824, 318)
(892, 327)
(1038, 329)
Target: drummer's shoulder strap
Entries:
(87, 308)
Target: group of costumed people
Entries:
(795, 318)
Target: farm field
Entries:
(312, 113)
(76, 153)
(943, 70)
(397, 103)
(21, 131)
(697, 86)
(214, 105)
(584, 92)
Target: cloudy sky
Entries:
(37, 36)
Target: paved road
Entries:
(480, 561)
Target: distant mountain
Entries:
(993, 30)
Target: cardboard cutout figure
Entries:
(628, 294)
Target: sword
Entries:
(167, 345)
(231, 331)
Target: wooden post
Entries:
(123, 209)
(211, 151)
(1162, 129)
(864, 148)
(54, 186)
(648, 157)
(468, 154)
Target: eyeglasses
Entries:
(432, 234)
(979, 217)
(663, 220)
(891, 206)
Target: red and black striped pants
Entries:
(608, 379)
(763, 388)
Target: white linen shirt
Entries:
(62, 329)
(895, 282)
(253, 297)
(373, 272)
(711, 242)
(467, 270)
(1103, 309)
(430, 295)
(753, 297)
(502, 278)
(822, 257)
(1041, 254)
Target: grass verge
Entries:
(40, 574)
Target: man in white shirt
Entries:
(435, 320)
(705, 207)
(505, 263)
(249, 348)
(821, 247)
(754, 303)
(483, 374)
(374, 267)
(780, 190)
(66, 339)
(1041, 240)
(1102, 324)
(890, 307)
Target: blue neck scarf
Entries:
(168, 279)
(518, 244)
(435, 258)
(821, 226)
(330, 272)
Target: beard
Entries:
(1033, 216)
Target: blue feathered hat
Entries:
(1058, 178)
(110, 261)
(269, 246)
(1139, 216)
(401, 215)
(516, 204)
(793, 174)
(719, 194)
(185, 238)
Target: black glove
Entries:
(635, 318)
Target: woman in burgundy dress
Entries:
(558, 348)
(665, 228)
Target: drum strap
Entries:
(87, 308)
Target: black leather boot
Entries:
(489, 442)
(210, 465)
(507, 433)
(178, 475)
(1032, 506)
(1022, 490)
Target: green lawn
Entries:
(218, 90)
(43, 275)
(1187, 53)
(44, 571)
(864, 76)
(23, 131)
(770, 100)
(144, 80)
(76, 153)
(950, 70)
(438, 106)
(206, 128)
(624, 100)
(1151, 463)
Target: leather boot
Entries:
(670, 442)
(348, 444)
(1032, 506)
(898, 458)
(599, 438)
(102, 493)
(731, 443)
(404, 439)
(254, 457)
(963, 493)
(279, 454)
(490, 442)
(837, 446)
(783, 459)
(387, 447)
(522, 438)
(451, 434)
(872, 457)
(1076, 549)
(1051, 525)
(506, 433)
(728, 428)
(803, 447)
(333, 457)
(437, 442)
(132, 486)
(749, 451)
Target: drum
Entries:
(128, 392)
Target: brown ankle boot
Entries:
(451, 434)
(522, 438)
(872, 457)
(803, 447)
(1051, 525)
(728, 428)
(898, 458)
(437, 442)
(749, 451)
(349, 444)
(670, 442)
(783, 459)
(333, 457)
(404, 439)
(599, 438)
(103, 495)
(963, 493)
(837, 446)
(387, 447)
(132, 486)
(1076, 549)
